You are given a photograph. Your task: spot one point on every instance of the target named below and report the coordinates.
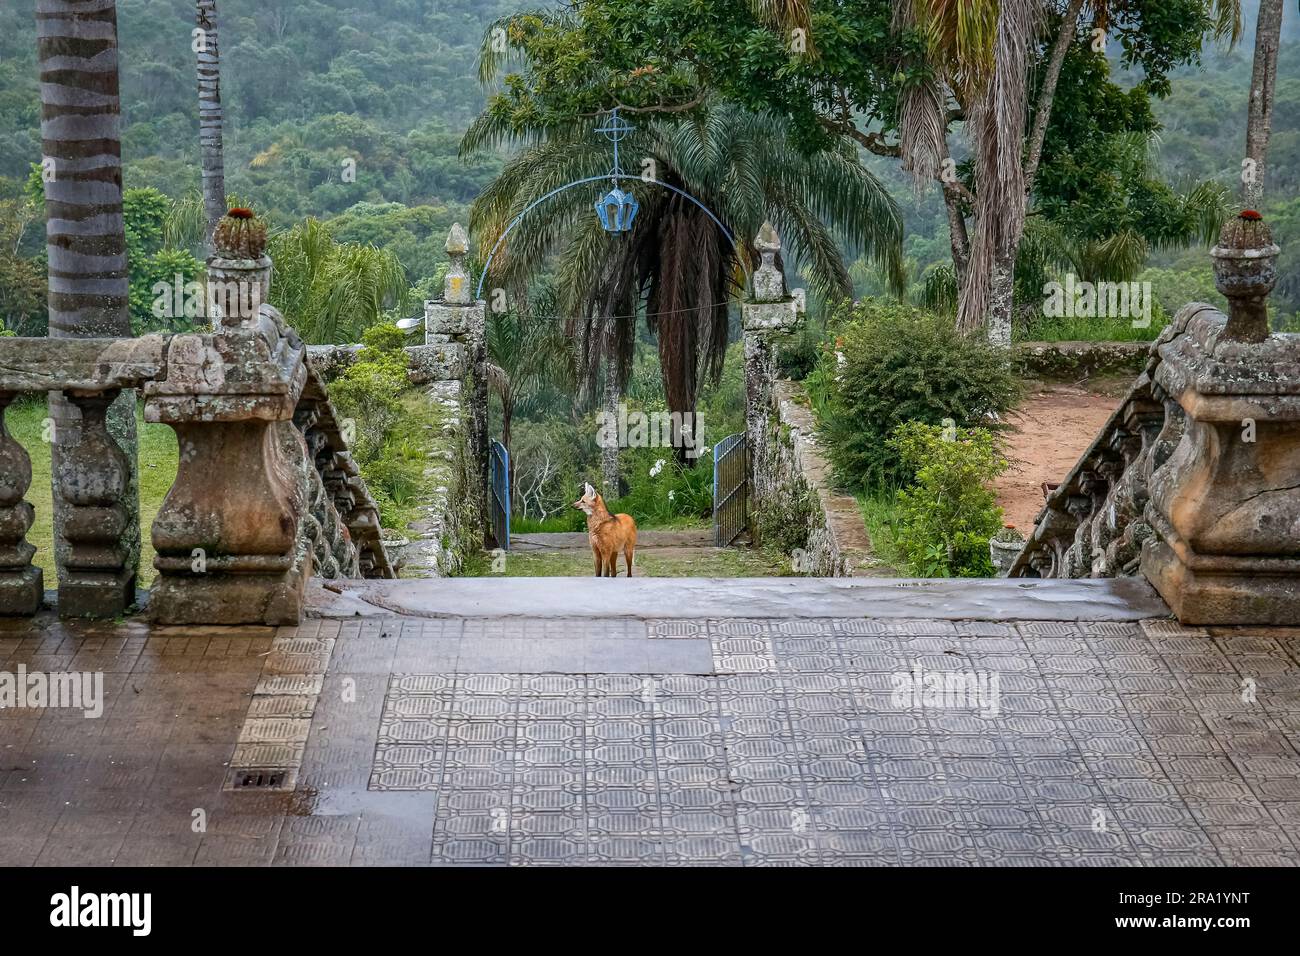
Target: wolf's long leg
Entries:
(627, 556)
(600, 565)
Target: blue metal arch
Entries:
(487, 266)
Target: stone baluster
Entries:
(1225, 506)
(769, 316)
(92, 478)
(22, 585)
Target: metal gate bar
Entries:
(730, 489)
(499, 494)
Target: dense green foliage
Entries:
(312, 89)
(388, 427)
(315, 88)
(948, 512)
(305, 84)
(1098, 205)
(893, 364)
(332, 291)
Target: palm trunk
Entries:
(958, 237)
(210, 117)
(85, 235)
(609, 453)
(1263, 84)
(997, 120)
(1001, 298)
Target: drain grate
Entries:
(242, 778)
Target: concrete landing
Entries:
(988, 599)
(687, 722)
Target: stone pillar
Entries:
(227, 535)
(457, 323)
(91, 480)
(21, 583)
(769, 316)
(1225, 507)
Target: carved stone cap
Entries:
(231, 375)
(457, 240)
(1216, 377)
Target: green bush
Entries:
(662, 492)
(891, 364)
(390, 440)
(368, 392)
(948, 513)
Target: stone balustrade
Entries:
(266, 494)
(1194, 482)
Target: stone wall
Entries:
(1079, 359)
(793, 501)
(448, 527)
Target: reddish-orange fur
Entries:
(609, 534)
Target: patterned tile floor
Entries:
(515, 741)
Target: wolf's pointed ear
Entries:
(588, 491)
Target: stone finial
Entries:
(455, 286)
(457, 240)
(1245, 271)
(769, 284)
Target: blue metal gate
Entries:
(730, 489)
(499, 494)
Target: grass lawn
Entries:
(651, 563)
(879, 514)
(26, 422)
(1043, 329)
(574, 520)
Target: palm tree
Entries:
(85, 235)
(1263, 85)
(676, 265)
(331, 291)
(525, 350)
(208, 65)
(982, 51)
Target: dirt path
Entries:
(1053, 427)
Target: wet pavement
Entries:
(499, 738)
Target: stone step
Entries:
(992, 599)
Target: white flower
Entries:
(656, 468)
(671, 494)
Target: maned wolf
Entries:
(609, 534)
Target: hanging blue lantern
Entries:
(616, 210)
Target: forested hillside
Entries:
(307, 85)
(312, 87)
